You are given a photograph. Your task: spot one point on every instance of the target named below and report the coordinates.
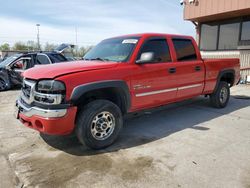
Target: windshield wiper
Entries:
(97, 58)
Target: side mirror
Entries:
(146, 57)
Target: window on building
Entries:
(229, 36)
(245, 35)
(209, 35)
(160, 49)
(185, 50)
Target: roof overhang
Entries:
(213, 10)
(220, 16)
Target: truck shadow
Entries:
(152, 125)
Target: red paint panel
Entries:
(52, 126)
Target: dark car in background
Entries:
(66, 50)
(11, 69)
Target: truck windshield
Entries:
(115, 49)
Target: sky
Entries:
(94, 20)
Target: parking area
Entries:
(188, 144)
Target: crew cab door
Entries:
(189, 68)
(153, 83)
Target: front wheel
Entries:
(220, 97)
(98, 124)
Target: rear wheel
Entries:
(220, 97)
(98, 124)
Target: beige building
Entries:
(223, 29)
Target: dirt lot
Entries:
(188, 144)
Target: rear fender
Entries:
(221, 74)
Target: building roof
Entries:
(211, 10)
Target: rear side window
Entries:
(185, 50)
(56, 58)
(42, 59)
(160, 49)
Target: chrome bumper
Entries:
(35, 111)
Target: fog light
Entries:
(39, 124)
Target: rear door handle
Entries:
(197, 68)
(172, 70)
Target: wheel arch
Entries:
(116, 91)
(227, 76)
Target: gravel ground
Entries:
(188, 144)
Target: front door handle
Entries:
(172, 70)
(197, 68)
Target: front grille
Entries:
(26, 89)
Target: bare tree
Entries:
(5, 46)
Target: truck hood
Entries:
(54, 70)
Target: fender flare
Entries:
(120, 84)
(221, 73)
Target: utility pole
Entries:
(38, 36)
(76, 35)
(76, 41)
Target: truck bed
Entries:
(216, 66)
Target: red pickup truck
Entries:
(120, 75)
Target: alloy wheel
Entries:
(223, 95)
(103, 125)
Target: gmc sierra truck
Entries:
(118, 76)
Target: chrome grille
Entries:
(28, 91)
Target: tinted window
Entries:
(229, 36)
(209, 34)
(185, 50)
(42, 59)
(160, 49)
(56, 58)
(245, 35)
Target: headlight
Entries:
(50, 92)
(51, 87)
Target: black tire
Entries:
(220, 98)
(87, 123)
(3, 85)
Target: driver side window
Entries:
(160, 49)
(21, 64)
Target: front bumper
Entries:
(48, 121)
(46, 113)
